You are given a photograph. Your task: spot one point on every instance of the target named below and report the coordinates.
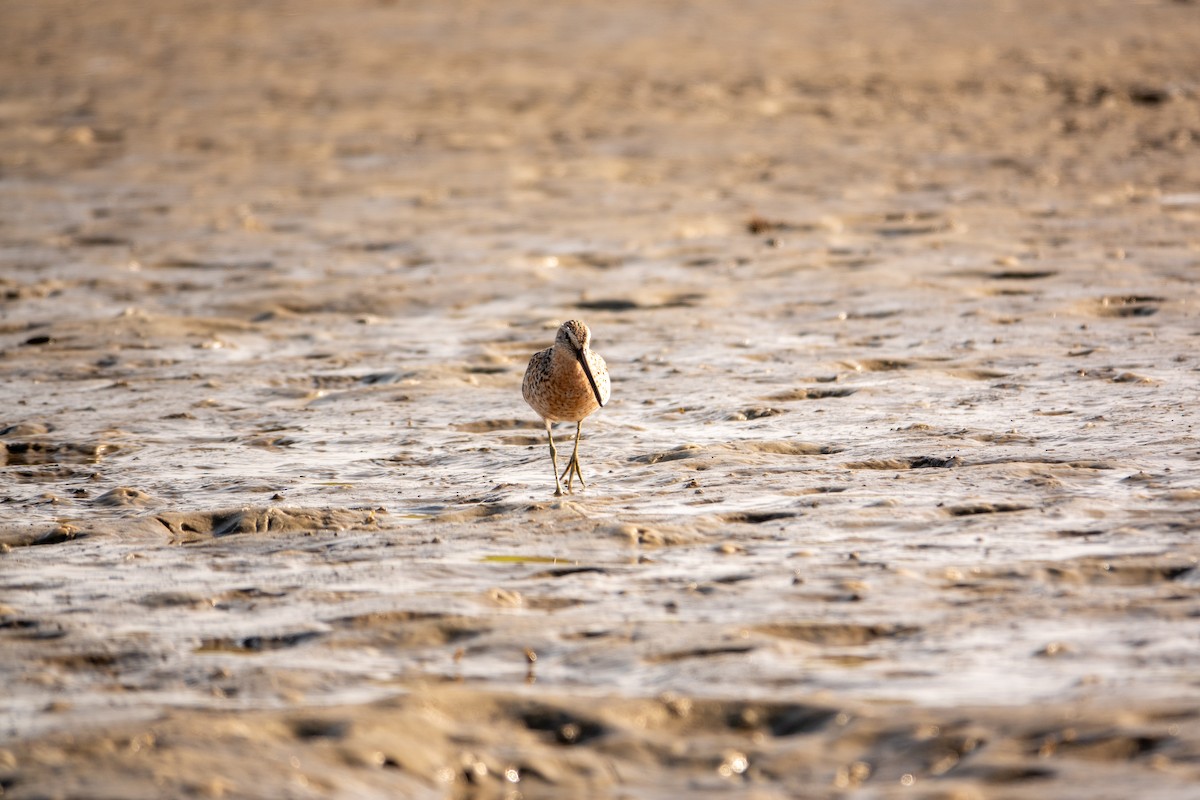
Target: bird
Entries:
(565, 383)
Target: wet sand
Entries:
(896, 494)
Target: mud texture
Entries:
(896, 495)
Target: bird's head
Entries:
(574, 333)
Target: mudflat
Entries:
(896, 495)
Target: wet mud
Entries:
(896, 493)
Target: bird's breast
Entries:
(556, 387)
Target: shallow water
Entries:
(900, 429)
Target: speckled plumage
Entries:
(559, 388)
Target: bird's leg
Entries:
(573, 465)
(553, 460)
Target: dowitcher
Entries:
(565, 383)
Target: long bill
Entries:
(587, 370)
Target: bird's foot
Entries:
(571, 472)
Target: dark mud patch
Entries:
(786, 448)
(386, 378)
(45, 452)
(913, 462)
(550, 603)
(699, 652)
(1007, 437)
(759, 517)
(248, 645)
(272, 442)
(757, 225)
(781, 719)
(624, 304)
(174, 599)
(1022, 274)
(251, 598)
(310, 728)
(1117, 571)
(491, 425)
(1101, 746)
(522, 441)
(880, 364)
(756, 412)
(14, 626)
(406, 629)
(974, 509)
(977, 374)
(1124, 306)
(196, 526)
(109, 662)
(562, 572)
(564, 728)
(683, 451)
(1004, 775)
(222, 266)
(837, 634)
(1077, 533)
(812, 393)
(1115, 375)
(1121, 571)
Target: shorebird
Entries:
(565, 383)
